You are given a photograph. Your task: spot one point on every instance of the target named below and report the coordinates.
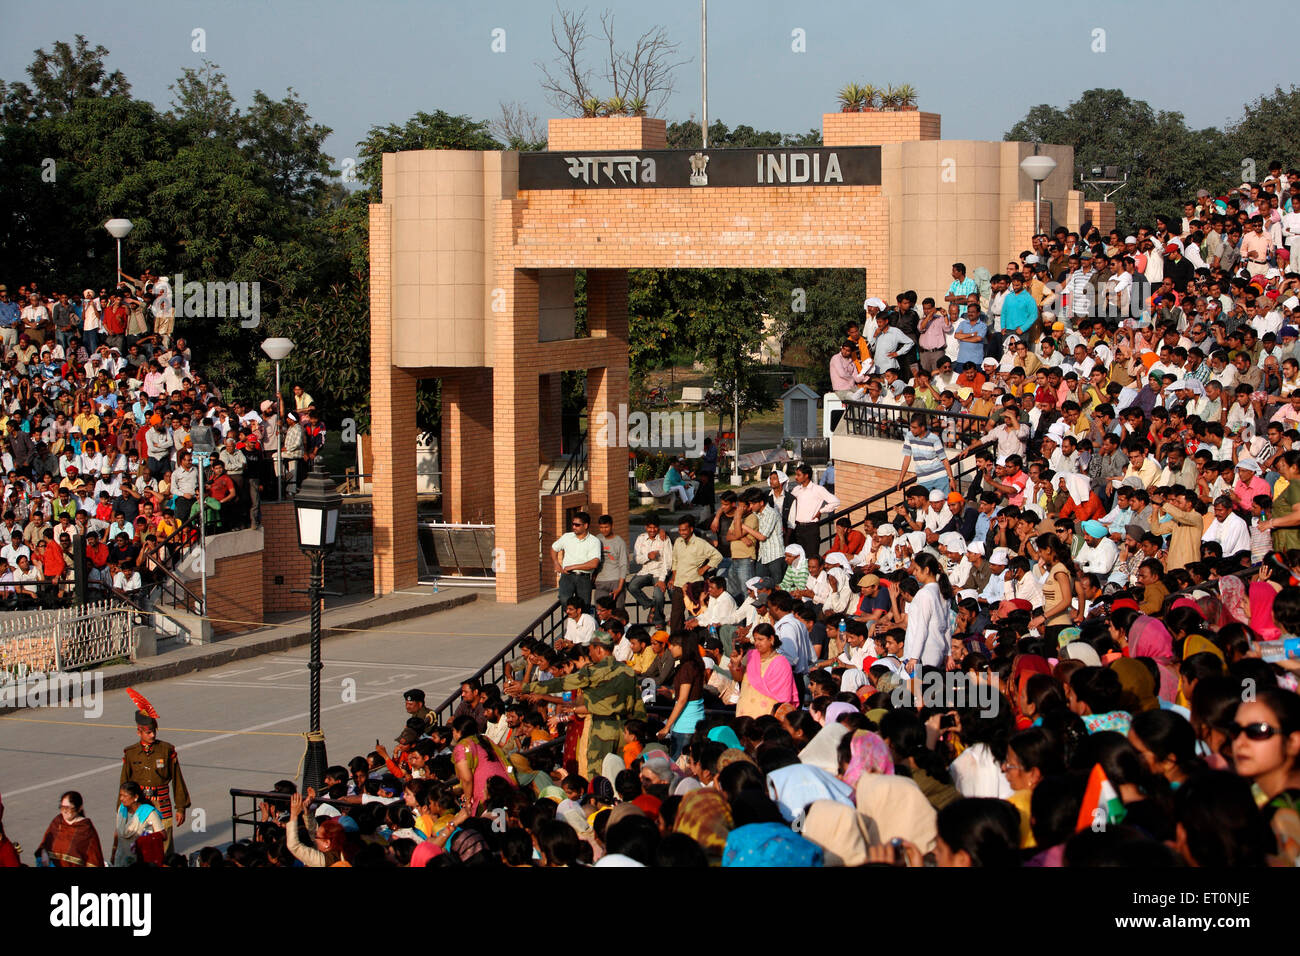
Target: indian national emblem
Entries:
(699, 163)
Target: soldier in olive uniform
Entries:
(415, 707)
(152, 763)
(610, 693)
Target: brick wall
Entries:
(766, 227)
(607, 390)
(282, 560)
(875, 129)
(606, 132)
(514, 438)
(392, 411)
(855, 482)
(1100, 214)
(235, 593)
(466, 446)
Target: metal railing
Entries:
(168, 590)
(575, 470)
(68, 638)
(963, 470)
(177, 545)
(546, 627)
(958, 430)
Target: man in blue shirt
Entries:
(970, 334)
(888, 346)
(1019, 310)
(960, 288)
(9, 316)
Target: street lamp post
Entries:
(1038, 168)
(119, 229)
(277, 350)
(317, 507)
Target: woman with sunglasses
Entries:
(70, 839)
(1266, 749)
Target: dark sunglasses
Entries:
(1257, 731)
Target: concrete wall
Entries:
(442, 227)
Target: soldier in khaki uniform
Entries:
(415, 707)
(152, 763)
(609, 691)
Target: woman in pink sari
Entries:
(765, 675)
(1149, 638)
(1254, 607)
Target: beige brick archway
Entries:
(471, 282)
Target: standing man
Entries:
(693, 557)
(1020, 312)
(811, 501)
(705, 471)
(581, 556)
(926, 449)
(888, 346)
(152, 763)
(740, 535)
(613, 565)
(933, 332)
(960, 289)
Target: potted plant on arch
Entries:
(906, 97)
(591, 106)
(636, 106)
(851, 99)
(614, 106)
(889, 99)
(870, 97)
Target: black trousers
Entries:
(808, 535)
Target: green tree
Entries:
(437, 130)
(686, 135)
(1268, 130)
(60, 78)
(203, 105)
(1165, 160)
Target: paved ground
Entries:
(240, 724)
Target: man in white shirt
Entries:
(811, 501)
(1098, 554)
(652, 551)
(11, 551)
(1228, 528)
(721, 608)
(579, 627)
(581, 556)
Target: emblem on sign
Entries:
(699, 163)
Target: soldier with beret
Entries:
(153, 764)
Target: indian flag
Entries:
(1101, 803)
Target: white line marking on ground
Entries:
(196, 743)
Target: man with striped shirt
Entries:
(924, 450)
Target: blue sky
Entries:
(379, 61)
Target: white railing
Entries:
(67, 638)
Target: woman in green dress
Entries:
(1285, 523)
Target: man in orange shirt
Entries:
(846, 541)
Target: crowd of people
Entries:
(103, 417)
(1085, 655)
